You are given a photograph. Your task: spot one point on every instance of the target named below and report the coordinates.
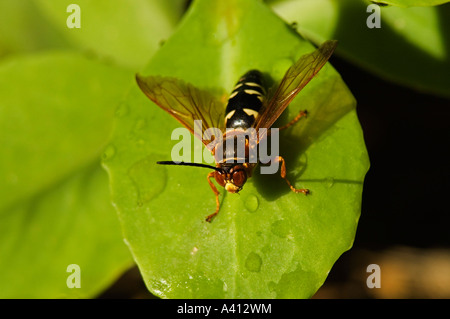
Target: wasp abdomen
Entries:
(245, 101)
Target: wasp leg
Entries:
(217, 193)
(283, 175)
(295, 120)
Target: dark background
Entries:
(405, 217)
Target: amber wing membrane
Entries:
(295, 79)
(185, 103)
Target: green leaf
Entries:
(55, 210)
(19, 32)
(410, 48)
(126, 32)
(266, 242)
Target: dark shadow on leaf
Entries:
(326, 109)
(444, 24)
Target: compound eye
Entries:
(219, 178)
(239, 178)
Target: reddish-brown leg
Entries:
(283, 175)
(217, 193)
(295, 120)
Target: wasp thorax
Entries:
(237, 146)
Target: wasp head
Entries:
(232, 178)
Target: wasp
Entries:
(249, 106)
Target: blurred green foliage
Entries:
(59, 90)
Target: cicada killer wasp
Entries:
(248, 107)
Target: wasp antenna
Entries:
(188, 164)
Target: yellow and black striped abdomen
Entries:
(246, 101)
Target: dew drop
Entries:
(109, 152)
(251, 203)
(149, 179)
(140, 124)
(253, 262)
(329, 182)
(281, 229)
(138, 131)
(121, 110)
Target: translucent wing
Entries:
(295, 79)
(185, 103)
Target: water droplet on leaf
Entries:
(139, 131)
(140, 124)
(281, 228)
(109, 152)
(329, 182)
(251, 203)
(122, 110)
(253, 262)
(149, 178)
